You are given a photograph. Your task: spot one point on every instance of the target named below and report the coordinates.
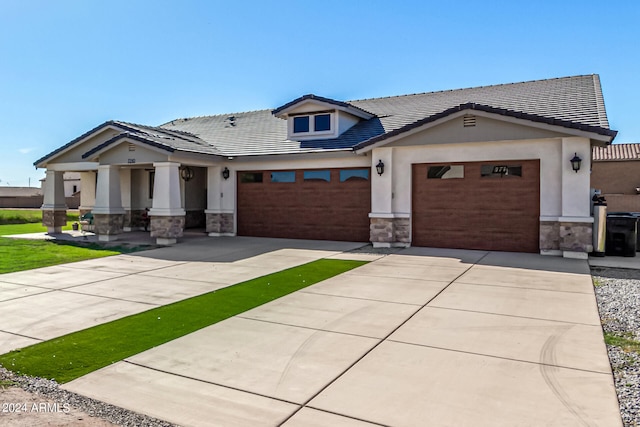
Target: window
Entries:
(445, 172)
(312, 123)
(322, 122)
(489, 171)
(317, 175)
(284, 176)
(250, 177)
(354, 175)
(301, 124)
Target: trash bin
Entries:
(622, 234)
(637, 215)
(599, 225)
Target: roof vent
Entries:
(469, 121)
(132, 147)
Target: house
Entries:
(481, 168)
(616, 173)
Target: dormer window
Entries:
(313, 124)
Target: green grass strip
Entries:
(26, 216)
(26, 254)
(624, 343)
(6, 230)
(74, 355)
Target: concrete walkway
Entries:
(420, 337)
(45, 303)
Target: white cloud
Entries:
(25, 150)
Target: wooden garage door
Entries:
(479, 205)
(321, 204)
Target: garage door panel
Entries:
(490, 213)
(312, 209)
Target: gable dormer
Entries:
(315, 117)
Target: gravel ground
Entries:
(40, 402)
(618, 296)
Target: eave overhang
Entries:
(594, 132)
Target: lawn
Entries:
(6, 230)
(26, 254)
(74, 355)
(25, 216)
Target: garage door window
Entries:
(354, 175)
(445, 172)
(250, 177)
(500, 171)
(283, 176)
(317, 175)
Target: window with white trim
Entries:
(313, 124)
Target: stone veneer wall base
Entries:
(390, 232)
(54, 220)
(220, 224)
(167, 229)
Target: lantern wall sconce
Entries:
(380, 167)
(186, 173)
(225, 173)
(575, 162)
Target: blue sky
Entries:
(66, 66)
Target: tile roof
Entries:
(571, 102)
(616, 152)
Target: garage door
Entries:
(479, 205)
(321, 204)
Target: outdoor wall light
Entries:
(575, 163)
(380, 167)
(225, 173)
(186, 173)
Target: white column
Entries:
(576, 221)
(54, 206)
(87, 190)
(125, 193)
(54, 191)
(382, 185)
(214, 189)
(167, 200)
(108, 194)
(576, 185)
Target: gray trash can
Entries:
(622, 234)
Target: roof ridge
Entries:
(214, 115)
(473, 87)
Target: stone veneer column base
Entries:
(390, 232)
(167, 229)
(566, 238)
(219, 224)
(108, 226)
(54, 220)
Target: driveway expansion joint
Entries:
(360, 298)
(522, 287)
(493, 356)
(385, 338)
(21, 335)
(208, 382)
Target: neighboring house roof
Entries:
(616, 152)
(20, 192)
(569, 102)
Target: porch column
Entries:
(87, 192)
(576, 222)
(125, 191)
(54, 207)
(386, 228)
(108, 214)
(167, 213)
(220, 202)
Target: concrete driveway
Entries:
(421, 337)
(45, 303)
